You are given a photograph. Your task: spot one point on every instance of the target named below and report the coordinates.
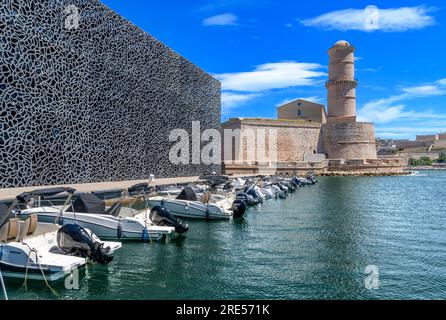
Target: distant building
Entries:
(427, 138)
(302, 110)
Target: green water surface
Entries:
(314, 245)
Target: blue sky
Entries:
(266, 52)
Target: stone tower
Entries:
(342, 84)
(344, 137)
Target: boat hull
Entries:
(191, 209)
(104, 226)
(38, 258)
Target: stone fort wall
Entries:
(348, 139)
(92, 104)
(296, 139)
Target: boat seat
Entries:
(33, 224)
(9, 231)
(205, 198)
(28, 227)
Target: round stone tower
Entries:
(344, 137)
(341, 84)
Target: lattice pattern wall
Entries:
(95, 103)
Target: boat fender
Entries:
(145, 234)
(60, 221)
(119, 230)
(187, 206)
(207, 212)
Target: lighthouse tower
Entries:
(344, 137)
(342, 85)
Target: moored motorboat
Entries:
(90, 212)
(187, 205)
(44, 251)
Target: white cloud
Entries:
(272, 76)
(390, 20)
(423, 91)
(232, 100)
(442, 82)
(369, 69)
(226, 19)
(408, 132)
(392, 108)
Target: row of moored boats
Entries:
(45, 238)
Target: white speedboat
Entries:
(187, 205)
(268, 192)
(90, 212)
(43, 251)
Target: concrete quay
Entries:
(11, 193)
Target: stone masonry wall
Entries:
(92, 104)
(349, 139)
(295, 139)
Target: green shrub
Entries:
(426, 161)
(423, 161)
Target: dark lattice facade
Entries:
(93, 103)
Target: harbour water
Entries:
(314, 245)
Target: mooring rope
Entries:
(25, 283)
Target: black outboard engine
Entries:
(312, 180)
(80, 242)
(298, 181)
(291, 187)
(239, 207)
(164, 218)
(249, 200)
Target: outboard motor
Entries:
(163, 217)
(311, 180)
(239, 208)
(249, 200)
(280, 192)
(77, 241)
(297, 182)
(291, 187)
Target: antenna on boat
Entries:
(151, 181)
(66, 203)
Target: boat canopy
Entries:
(215, 180)
(88, 203)
(25, 197)
(139, 188)
(188, 194)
